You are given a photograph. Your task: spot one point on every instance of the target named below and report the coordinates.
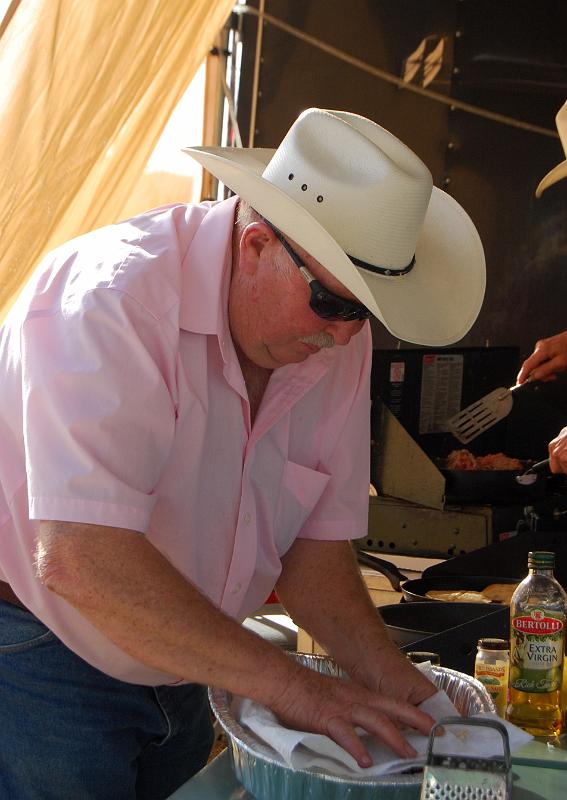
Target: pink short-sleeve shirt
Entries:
(122, 403)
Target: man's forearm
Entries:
(135, 597)
(130, 592)
(322, 589)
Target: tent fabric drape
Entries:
(86, 90)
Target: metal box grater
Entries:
(458, 777)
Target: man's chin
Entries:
(289, 356)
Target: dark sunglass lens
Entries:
(354, 313)
(330, 306)
(337, 309)
(325, 304)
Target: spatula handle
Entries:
(539, 465)
(519, 386)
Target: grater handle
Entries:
(482, 723)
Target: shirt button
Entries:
(237, 588)
(247, 517)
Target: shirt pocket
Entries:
(300, 491)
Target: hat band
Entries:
(387, 271)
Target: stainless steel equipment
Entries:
(465, 777)
(422, 509)
(410, 514)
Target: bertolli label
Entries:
(541, 625)
(536, 657)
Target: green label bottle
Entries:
(537, 646)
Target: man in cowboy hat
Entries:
(550, 355)
(180, 436)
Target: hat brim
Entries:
(556, 174)
(435, 304)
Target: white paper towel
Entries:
(303, 750)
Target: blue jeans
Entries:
(70, 732)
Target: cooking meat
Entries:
(461, 459)
(498, 461)
(464, 459)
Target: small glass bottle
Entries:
(491, 669)
(538, 612)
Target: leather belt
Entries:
(8, 595)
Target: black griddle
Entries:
(507, 559)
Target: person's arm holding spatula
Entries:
(547, 360)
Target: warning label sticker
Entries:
(441, 390)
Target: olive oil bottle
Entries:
(537, 645)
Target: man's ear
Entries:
(253, 241)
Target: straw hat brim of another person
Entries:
(560, 171)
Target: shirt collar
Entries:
(205, 282)
(206, 272)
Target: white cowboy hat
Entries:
(361, 203)
(560, 171)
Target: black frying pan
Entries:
(449, 629)
(386, 568)
(416, 590)
(491, 485)
(409, 624)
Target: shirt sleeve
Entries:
(343, 433)
(98, 410)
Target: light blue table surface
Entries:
(217, 782)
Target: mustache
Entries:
(322, 339)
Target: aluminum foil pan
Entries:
(265, 775)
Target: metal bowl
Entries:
(265, 775)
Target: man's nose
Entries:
(342, 332)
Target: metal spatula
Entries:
(486, 412)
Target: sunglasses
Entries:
(324, 303)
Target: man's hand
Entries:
(548, 358)
(391, 673)
(322, 704)
(322, 589)
(558, 452)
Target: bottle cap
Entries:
(421, 656)
(542, 559)
(493, 644)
